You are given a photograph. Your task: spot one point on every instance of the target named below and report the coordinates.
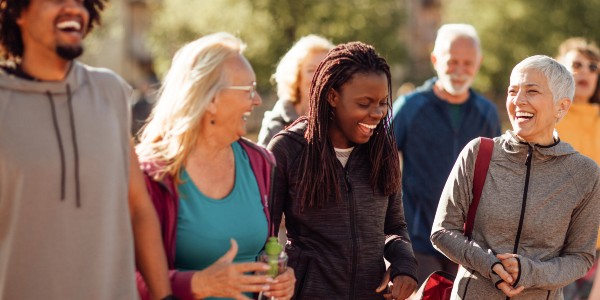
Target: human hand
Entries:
(402, 287)
(226, 279)
(509, 290)
(283, 286)
(511, 265)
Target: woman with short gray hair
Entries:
(535, 227)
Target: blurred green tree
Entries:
(512, 30)
(270, 27)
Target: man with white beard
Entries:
(432, 125)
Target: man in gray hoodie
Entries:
(74, 211)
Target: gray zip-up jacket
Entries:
(541, 203)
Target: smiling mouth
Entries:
(71, 26)
(371, 127)
(522, 115)
(245, 116)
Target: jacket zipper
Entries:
(352, 209)
(523, 204)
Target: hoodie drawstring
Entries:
(61, 148)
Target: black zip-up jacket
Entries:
(338, 251)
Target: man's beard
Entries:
(69, 52)
(456, 90)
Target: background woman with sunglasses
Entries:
(581, 126)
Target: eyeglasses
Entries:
(576, 66)
(249, 88)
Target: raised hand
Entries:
(227, 279)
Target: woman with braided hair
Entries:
(338, 184)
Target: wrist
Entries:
(199, 286)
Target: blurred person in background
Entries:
(209, 185)
(293, 77)
(338, 183)
(535, 227)
(431, 126)
(75, 217)
(581, 126)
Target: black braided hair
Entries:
(318, 178)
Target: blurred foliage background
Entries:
(511, 30)
(403, 31)
(270, 27)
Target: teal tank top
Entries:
(205, 225)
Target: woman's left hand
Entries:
(283, 286)
(510, 263)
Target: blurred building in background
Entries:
(120, 44)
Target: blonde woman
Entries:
(208, 184)
(293, 77)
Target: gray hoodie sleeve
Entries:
(268, 131)
(578, 252)
(447, 232)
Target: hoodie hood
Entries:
(56, 89)
(75, 79)
(518, 148)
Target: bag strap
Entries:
(486, 147)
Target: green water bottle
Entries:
(273, 252)
(275, 257)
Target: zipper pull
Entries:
(347, 177)
(529, 155)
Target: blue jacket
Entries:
(430, 145)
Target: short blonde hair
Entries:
(287, 74)
(195, 77)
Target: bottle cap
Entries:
(273, 247)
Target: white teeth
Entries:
(74, 25)
(368, 126)
(524, 114)
(245, 116)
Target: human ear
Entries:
(433, 59)
(212, 106)
(563, 107)
(333, 97)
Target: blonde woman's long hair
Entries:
(192, 82)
